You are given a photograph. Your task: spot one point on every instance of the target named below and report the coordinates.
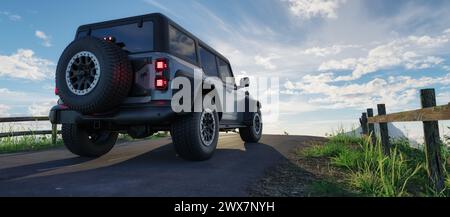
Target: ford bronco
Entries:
(118, 77)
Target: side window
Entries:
(181, 44)
(225, 72)
(208, 62)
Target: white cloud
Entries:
(307, 9)
(294, 106)
(40, 109)
(46, 40)
(4, 110)
(266, 62)
(15, 103)
(14, 98)
(322, 52)
(443, 98)
(411, 52)
(25, 65)
(396, 92)
(11, 16)
(430, 42)
(26, 103)
(5, 93)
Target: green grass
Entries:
(328, 189)
(334, 146)
(37, 142)
(330, 150)
(378, 175)
(343, 138)
(27, 143)
(371, 172)
(348, 158)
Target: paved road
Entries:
(145, 168)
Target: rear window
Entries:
(182, 45)
(133, 38)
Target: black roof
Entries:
(156, 17)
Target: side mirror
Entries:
(245, 82)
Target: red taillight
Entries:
(161, 65)
(56, 91)
(161, 83)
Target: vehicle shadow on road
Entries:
(158, 172)
(29, 169)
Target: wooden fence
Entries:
(430, 114)
(54, 131)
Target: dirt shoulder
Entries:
(300, 176)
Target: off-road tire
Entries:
(187, 138)
(250, 134)
(76, 139)
(114, 83)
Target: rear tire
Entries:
(252, 134)
(195, 136)
(86, 143)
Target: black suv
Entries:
(120, 77)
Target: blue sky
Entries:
(334, 58)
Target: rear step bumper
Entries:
(139, 115)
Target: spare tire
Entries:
(93, 75)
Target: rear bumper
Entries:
(136, 115)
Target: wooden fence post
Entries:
(54, 133)
(432, 142)
(363, 120)
(384, 131)
(372, 127)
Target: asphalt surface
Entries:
(145, 168)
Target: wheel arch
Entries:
(190, 77)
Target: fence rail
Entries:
(438, 113)
(430, 114)
(22, 119)
(54, 131)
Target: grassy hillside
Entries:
(345, 165)
(368, 171)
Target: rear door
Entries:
(230, 87)
(211, 66)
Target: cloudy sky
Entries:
(334, 58)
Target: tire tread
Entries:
(119, 81)
(186, 138)
(76, 141)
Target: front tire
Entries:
(88, 143)
(252, 134)
(195, 136)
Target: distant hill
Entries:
(394, 132)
